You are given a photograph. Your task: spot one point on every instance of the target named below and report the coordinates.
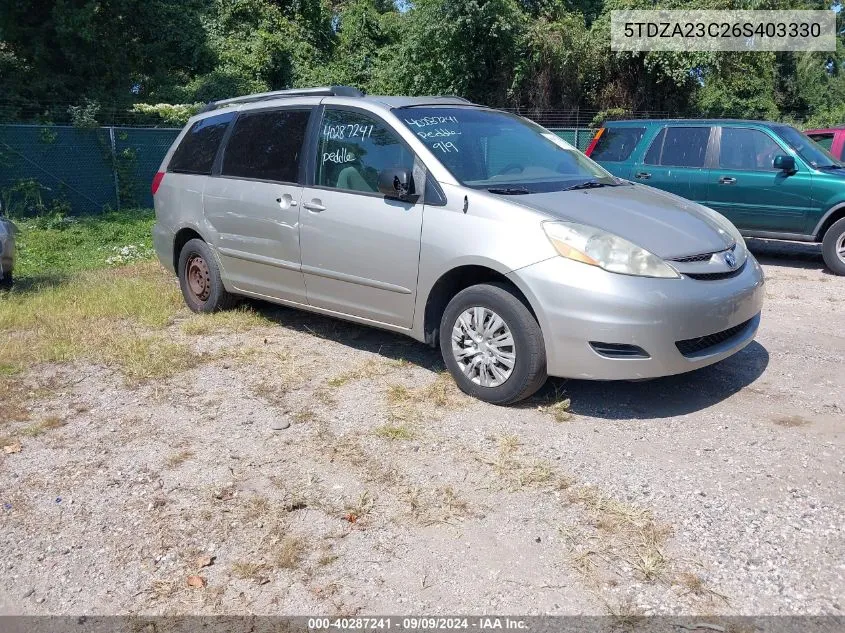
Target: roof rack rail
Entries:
(326, 91)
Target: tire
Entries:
(833, 247)
(6, 282)
(199, 278)
(528, 372)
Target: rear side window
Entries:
(196, 152)
(266, 145)
(825, 140)
(679, 147)
(616, 143)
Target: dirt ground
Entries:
(716, 492)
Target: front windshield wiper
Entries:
(591, 184)
(823, 167)
(509, 191)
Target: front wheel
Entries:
(493, 345)
(833, 247)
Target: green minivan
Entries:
(769, 179)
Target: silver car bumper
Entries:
(163, 245)
(593, 321)
(7, 254)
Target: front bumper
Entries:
(578, 304)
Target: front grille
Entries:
(705, 257)
(715, 276)
(694, 346)
(618, 350)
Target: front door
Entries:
(253, 204)
(360, 251)
(750, 192)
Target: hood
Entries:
(664, 224)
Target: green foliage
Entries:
(73, 244)
(89, 61)
(24, 199)
(173, 115)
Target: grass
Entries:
(59, 249)
(241, 319)
(370, 368)
(557, 406)
(411, 404)
(289, 552)
(395, 432)
(47, 424)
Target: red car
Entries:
(832, 139)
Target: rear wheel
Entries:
(833, 247)
(199, 278)
(493, 345)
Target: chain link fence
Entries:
(72, 170)
(63, 169)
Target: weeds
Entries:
(47, 424)
(395, 432)
(241, 319)
(412, 404)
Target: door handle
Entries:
(642, 175)
(314, 206)
(286, 201)
(727, 180)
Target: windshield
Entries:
(500, 152)
(806, 148)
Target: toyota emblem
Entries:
(730, 260)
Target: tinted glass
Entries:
(196, 152)
(354, 148)
(743, 148)
(616, 143)
(487, 149)
(825, 140)
(679, 147)
(266, 145)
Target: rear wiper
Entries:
(590, 184)
(509, 191)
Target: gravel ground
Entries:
(716, 492)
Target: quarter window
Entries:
(196, 152)
(744, 148)
(354, 148)
(266, 145)
(679, 147)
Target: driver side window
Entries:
(354, 148)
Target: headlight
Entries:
(598, 248)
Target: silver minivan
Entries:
(458, 225)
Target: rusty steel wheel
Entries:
(199, 277)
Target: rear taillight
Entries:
(157, 181)
(595, 140)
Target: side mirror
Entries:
(784, 163)
(397, 183)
